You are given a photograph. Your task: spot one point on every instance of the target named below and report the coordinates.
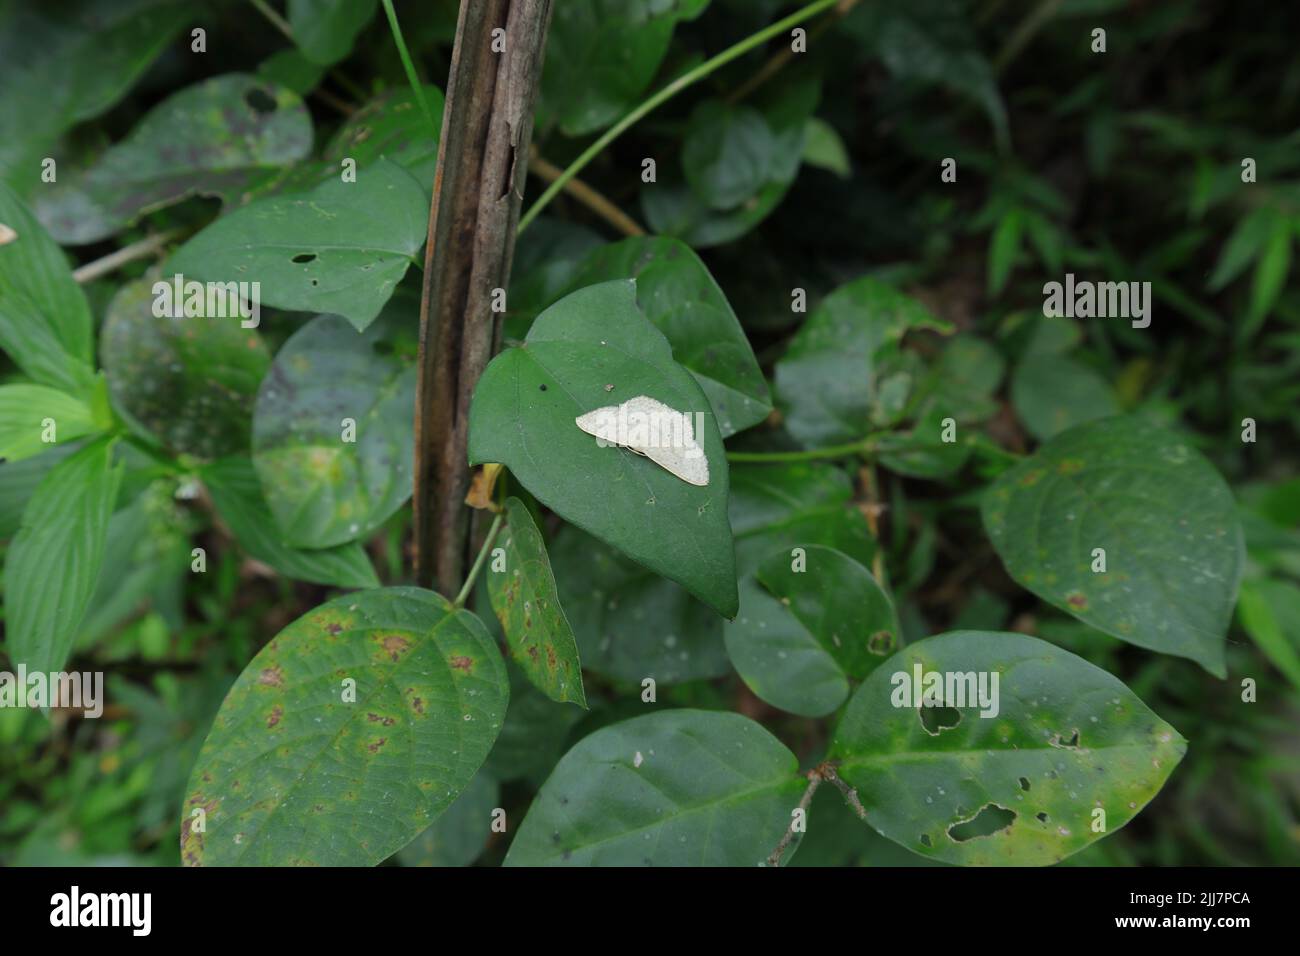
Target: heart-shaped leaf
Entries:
(678, 788)
(1029, 755)
(210, 139)
(602, 54)
(809, 622)
(1125, 526)
(384, 699)
(340, 248)
(522, 590)
(191, 380)
(676, 292)
(826, 382)
(237, 495)
(592, 349)
(630, 623)
(332, 430)
(776, 507)
(726, 153)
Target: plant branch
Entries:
(814, 781)
(482, 164)
(586, 195)
(860, 447)
(850, 794)
(686, 80)
(783, 56)
(470, 578)
(142, 249)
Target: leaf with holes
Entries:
(629, 622)
(525, 601)
(678, 788)
(595, 348)
(237, 496)
(190, 381)
(340, 248)
(53, 563)
(1022, 755)
(826, 383)
(331, 430)
(1125, 526)
(347, 735)
(214, 138)
(809, 622)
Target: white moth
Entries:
(651, 428)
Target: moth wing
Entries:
(601, 422)
(676, 461)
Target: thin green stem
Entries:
(859, 447)
(478, 562)
(409, 66)
(687, 79)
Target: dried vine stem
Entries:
(482, 163)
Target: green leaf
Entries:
(24, 409)
(807, 624)
(1067, 739)
(1052, 393)
(391, 126)
(672, 207)
(1270, 272)
(629, 622)
(1247, 239)
(1004, 248)
(60, 64)
(53, 563)
(327, 482)
(826, 383)
(779, 507)
(525, 601)
(1165, 518)
(726, 153)
(1270, 614)
(824, 149)
(326, 29)
(592, 349)
(676, 788)
(237, 495)
(190, 381)
(290, 68)
(19, 481)
(341, 248)
(210, 139)
(601, 55)
(459, 835)
(676, 292)
(45, 324)
(534, 734)
(294, 773)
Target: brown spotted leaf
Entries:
(1127, 527)
(1025, 755)
(304, 767)
(522, 589)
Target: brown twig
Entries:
(814, 781)
(115, 260)
(778, 60)
(586, 195)
(850, 794)
(482, 165)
